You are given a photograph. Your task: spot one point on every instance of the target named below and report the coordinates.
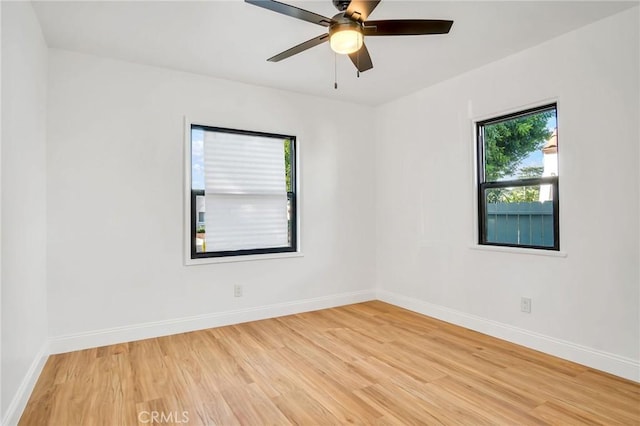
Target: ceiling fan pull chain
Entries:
(358, 67)
(335, 71)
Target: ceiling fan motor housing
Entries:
(342, 23)
(341, 5)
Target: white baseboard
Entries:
(21, 397)
(110, 336)
(600, 360)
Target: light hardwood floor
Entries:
(369, 363)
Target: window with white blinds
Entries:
(243, 184)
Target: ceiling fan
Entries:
(348, 28)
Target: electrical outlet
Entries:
(525, 305)
(237, 290)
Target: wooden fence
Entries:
(520, 223)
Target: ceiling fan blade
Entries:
(294, 12)
(361, 59)
(299, 48)
(394, 27)
(360, 9)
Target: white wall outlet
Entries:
(525, 305)
(237, 290)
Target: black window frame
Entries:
(484, 186)
(291, 197)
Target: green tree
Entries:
(531, 171)
(522, 194)
(507, 143)
(287, 162)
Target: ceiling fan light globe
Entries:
(346, 41)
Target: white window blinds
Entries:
(245, 192)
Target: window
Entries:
(243, 192)
(518, 179)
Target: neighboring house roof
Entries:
(551, 147)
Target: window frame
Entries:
(483, 186)
(194, 257)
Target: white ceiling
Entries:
(232, 40)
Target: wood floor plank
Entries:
(386, 396)
(335, 395)
(558, 413)
(369, 363)
(261, 411)
(451, 409)
(502, 410)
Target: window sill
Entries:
(518, 250)
(246, 258)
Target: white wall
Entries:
(585, 305)
(24, 310)
(115, 155)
